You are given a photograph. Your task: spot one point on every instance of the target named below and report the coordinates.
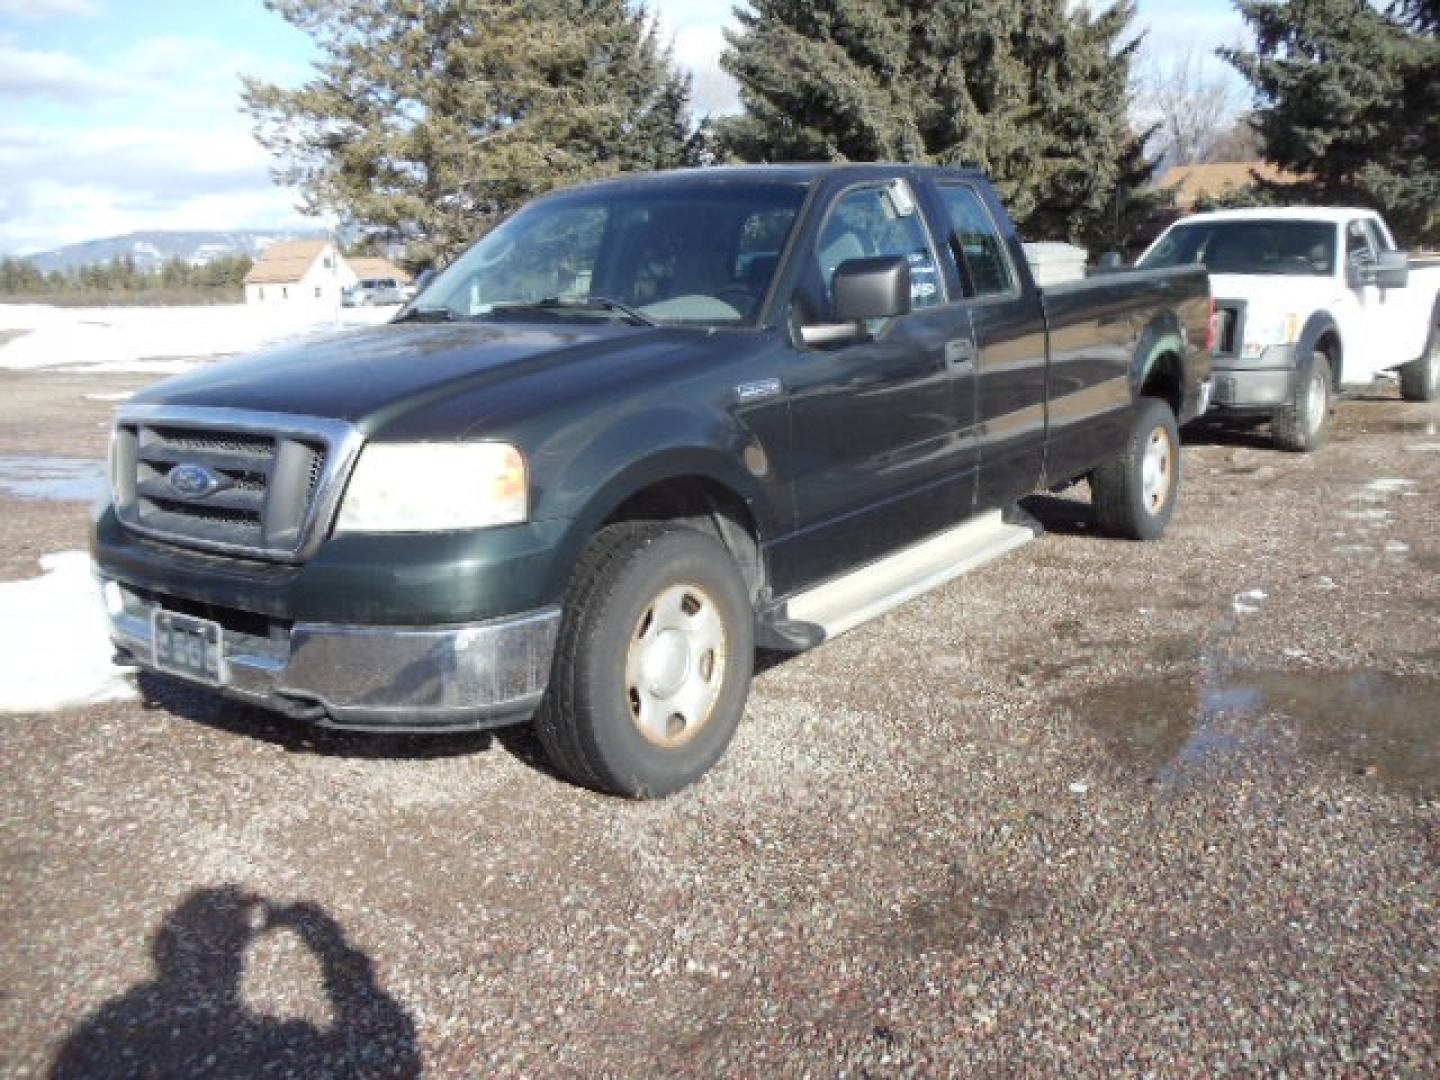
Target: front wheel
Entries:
(1420, 379)
(652, 667)
(1135, 493)
(1300, 423)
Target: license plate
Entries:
(185, 645)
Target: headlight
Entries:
(434, 487)
(1262, 333)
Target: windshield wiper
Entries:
(580, 303)
(427, 314)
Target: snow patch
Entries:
(160, 340)
(1248, 603)
(1387, 486)
(53, 479)
(1374, 514)
(55, 642)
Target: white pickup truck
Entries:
(1309, 301)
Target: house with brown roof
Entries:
(1191, 183)
(299, 272)
(374, 268)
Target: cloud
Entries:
(696, 29)
(54, 75)
(111, 180)
(149, 136)
(38, 10)
(185, 73)
(698, 48)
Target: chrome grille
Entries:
(270, 481)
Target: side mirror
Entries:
(1110, 262)
(876, 288)
(864, 289)
(1393, 270)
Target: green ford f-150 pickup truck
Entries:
(641, 428)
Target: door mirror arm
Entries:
(822, 335)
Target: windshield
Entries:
(694, 254)
(1254, 246)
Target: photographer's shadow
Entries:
(192, 1018)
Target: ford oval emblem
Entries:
(194, 481)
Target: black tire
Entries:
(1420, 379)
(1129, 501)
(599, 705)
(1300, 424)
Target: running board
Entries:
(864, 594)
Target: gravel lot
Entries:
(1096, 809)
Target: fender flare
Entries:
(651, 446)
(1317, 326)
(1161, 338)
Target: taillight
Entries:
(1212, 328)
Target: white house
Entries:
(290, 272)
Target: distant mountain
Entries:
(152, 249)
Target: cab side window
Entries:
(1358, 248)
(1376, 235)
(986, 264)
(882, 219)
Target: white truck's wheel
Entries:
(1420, 379)
(1300, 423)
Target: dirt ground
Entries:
(1097, 809)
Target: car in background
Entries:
(1310, 301)
(374, 292)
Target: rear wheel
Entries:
(1135, 493)
(1420, 379)
(1300, 423)
(653, 664)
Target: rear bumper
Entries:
(390, 678)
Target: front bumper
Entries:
(391, 678)
(1265, 382)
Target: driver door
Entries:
(882, 427)
(1381, 310)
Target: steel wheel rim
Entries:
(1155, 470)
(1315, 407)
(675, 665)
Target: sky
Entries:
(120, 115)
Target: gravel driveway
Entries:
(1097, 809)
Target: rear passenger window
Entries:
(1358, 249)
(987, 265)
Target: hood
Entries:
(1278, 293)
(372, 375)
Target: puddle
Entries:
(966, 912)
(52, 479)
(1366, 722)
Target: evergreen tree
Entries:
(1349, 99)
(1032, 91)
(429, 119)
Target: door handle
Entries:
(960, 355)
